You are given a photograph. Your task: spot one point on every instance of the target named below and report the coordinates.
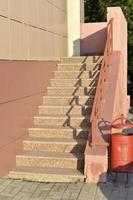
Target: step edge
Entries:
(49, 157)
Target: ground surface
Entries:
(23, 190)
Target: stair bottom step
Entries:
(47, 174)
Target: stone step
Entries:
(76, 74)
(75, 91)
(50, 159)
(63, 110)
(73, 74)
(47, 174)
(60, 132)
(73, 121)
(68, 100)
(82, 59)
(78, 66)
(73, 82)
(54, 144)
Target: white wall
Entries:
(75, 17)
(33, 29)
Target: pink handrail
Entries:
(96, 110)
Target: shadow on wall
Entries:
(92, 44)
(76, 47)
(104, 128)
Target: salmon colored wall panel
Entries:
(93, 38)
(22, 86)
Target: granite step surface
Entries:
(47, 174)
(73, 82)
(54, 144)
(76, 91)
(64, 110)
(82, 59)
(58, 120)
(68, 100)
(59, 132)
(78, 66)
(50, 159)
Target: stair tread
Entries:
(86, 56)
(75, 64)
(42, 170)
(71, 71)
(69, 87)
(54, 155)
(79, 63)
(72, 79)
(71, 96)
(90, 63)
(66, 106)
(76, 71)
(57, 140)
(60, 127)
(62, 116)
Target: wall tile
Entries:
(4, 38)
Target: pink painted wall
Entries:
(93, 38)
(120, 44)
(22, 86)
(115, 100)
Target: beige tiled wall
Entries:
(33, 29)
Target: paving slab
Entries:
(24, 190)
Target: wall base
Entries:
(96, 165)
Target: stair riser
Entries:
(49, 162)
(63, 111)
(57, 133)
(73, 75)
(67, 101)
(40, 121)
(71, 67)
(89, 59)
(77, 91)
(73, 83)
(54, 147)
(45, 177)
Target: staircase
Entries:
(54, 149)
